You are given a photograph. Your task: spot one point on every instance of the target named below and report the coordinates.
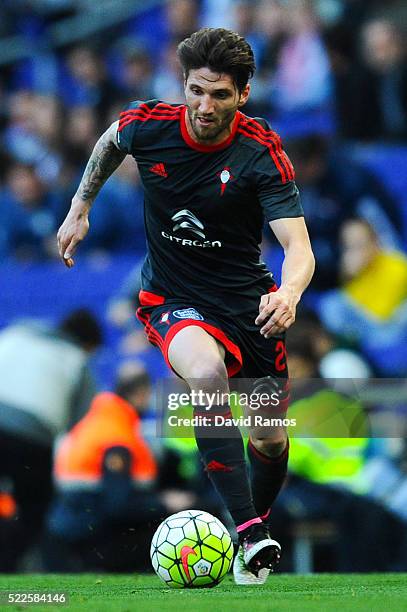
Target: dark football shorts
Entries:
(248, 353)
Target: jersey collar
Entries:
(207, 148)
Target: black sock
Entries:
(222, 453)
(267, 477)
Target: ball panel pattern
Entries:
(191, 549)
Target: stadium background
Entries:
(329, 76)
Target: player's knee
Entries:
(276, 389)
(209, 371)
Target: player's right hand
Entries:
(71, 233)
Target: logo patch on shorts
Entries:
(188, 313)
(164, 317)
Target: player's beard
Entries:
(212, 132)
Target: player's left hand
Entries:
(277, 311)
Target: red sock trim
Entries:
(265, 458)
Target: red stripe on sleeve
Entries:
(270, 134)
(145, 110)
(142, 116)
(270, 146)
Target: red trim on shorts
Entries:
(207, 148)
(232, 369)
(146, 298)
(152, 334)
(272, 289)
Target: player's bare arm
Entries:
(277, 310)
(104, 160)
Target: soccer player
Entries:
(211, 177)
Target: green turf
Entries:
(124, 593)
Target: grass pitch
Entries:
(139, 593)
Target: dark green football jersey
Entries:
(205, 205)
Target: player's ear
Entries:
(244, 95)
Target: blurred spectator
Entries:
(124, 303)
(386, 474)
(181, 18)
(34, 132)
(28, 215)
(121, 313)
(270, 23)
(341, 37)
(52, 107)
(334, 188)
(222, 14)
(302, 78)
(44, 388)
(137, 73)
(105, 475)
(264, 27)
(117, 222)
(168, 80)
(87, 83)
(383, 90)
(331, 360)
(370, 308)
(327, 474)
(372, 89)
(390, 10)
(242, 16)
(363, 262)
(80, 135)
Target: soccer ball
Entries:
(191, 549)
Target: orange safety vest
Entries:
(110, 421)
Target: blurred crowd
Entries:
(332, 80)
(334, 69)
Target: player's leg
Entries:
(268, 446)
(266, 376)
(268, 459)
(268, 467)
(199, 359)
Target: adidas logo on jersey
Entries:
(159, 169)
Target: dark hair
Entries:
(131, 377)
(83, 327)
(220, 50)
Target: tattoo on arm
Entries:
(105, 158)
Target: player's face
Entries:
(212, 99)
